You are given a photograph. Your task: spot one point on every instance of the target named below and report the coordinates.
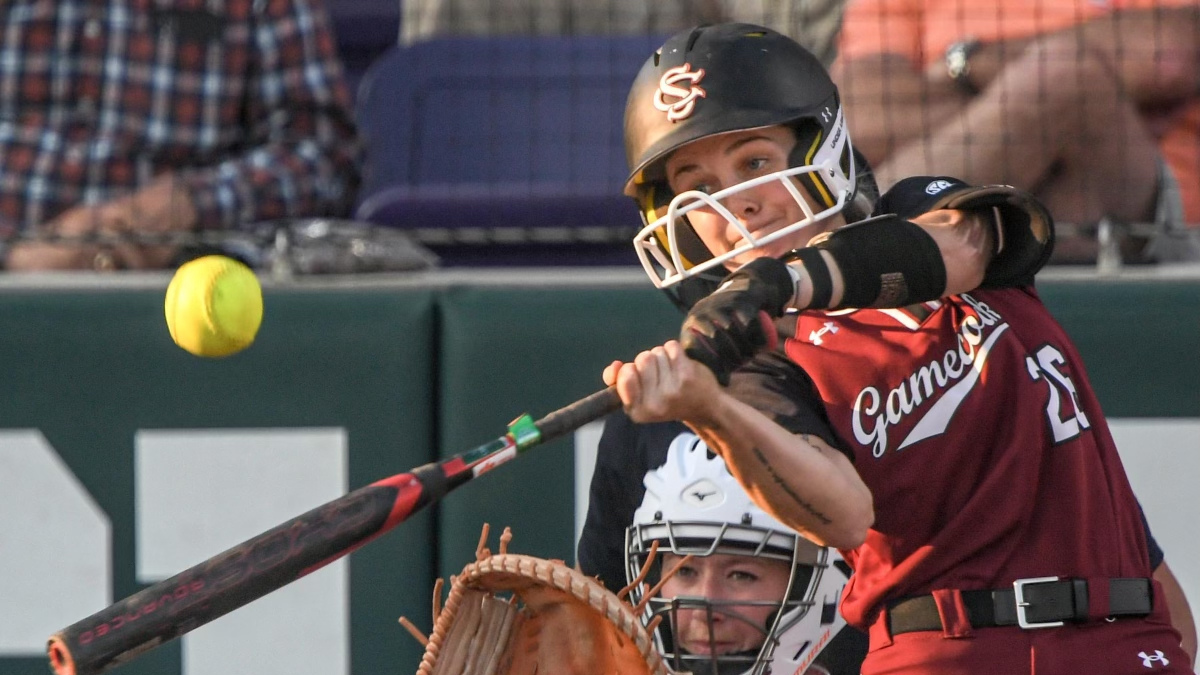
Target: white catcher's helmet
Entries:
(693, 505)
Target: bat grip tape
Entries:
(571, 417)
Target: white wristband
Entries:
(797, 283)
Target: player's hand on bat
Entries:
(664, 384)
(727, 328)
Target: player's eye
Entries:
(743, 576)
(758, 165)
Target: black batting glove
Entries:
(735, 322)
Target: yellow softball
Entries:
(214, 306)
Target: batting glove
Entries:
(735, 322)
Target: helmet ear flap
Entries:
(866, 191)
(809, 138)
(655, 198)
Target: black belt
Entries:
(1045, 603)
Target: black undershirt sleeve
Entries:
(627, 451)
(775, 386)
(1156, 552)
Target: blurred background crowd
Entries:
(319, 136)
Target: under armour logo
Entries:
(937, 186)
(684, 98)
(815, 336)
(1148, 660)
(826, 115)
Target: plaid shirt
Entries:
(244, 98)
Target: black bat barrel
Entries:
(223, 583)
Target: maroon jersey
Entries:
(981, 440)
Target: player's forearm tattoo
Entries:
(825, 520)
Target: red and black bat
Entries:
(283, 554)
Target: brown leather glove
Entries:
(558, 620)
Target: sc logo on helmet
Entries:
(937, 186)
(685, 98)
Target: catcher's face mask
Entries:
(739, 610)
(722, 607)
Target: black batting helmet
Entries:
(716, 79)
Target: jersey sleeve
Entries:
(775, 386)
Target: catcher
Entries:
(734, 592)
(745, 595)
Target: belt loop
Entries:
(878, 632)
(1080, 600)
(956, 623)
(1098, 598)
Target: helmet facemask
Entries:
(805, 563)
(822, 164)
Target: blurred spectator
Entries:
(1093, 106)
(812, 23)
(151, 117)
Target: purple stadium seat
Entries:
(364, 30)
(518, 134)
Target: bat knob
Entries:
(60, 657)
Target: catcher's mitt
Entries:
(554, 620)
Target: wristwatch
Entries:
(958, 63)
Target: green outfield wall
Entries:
(124, 459)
